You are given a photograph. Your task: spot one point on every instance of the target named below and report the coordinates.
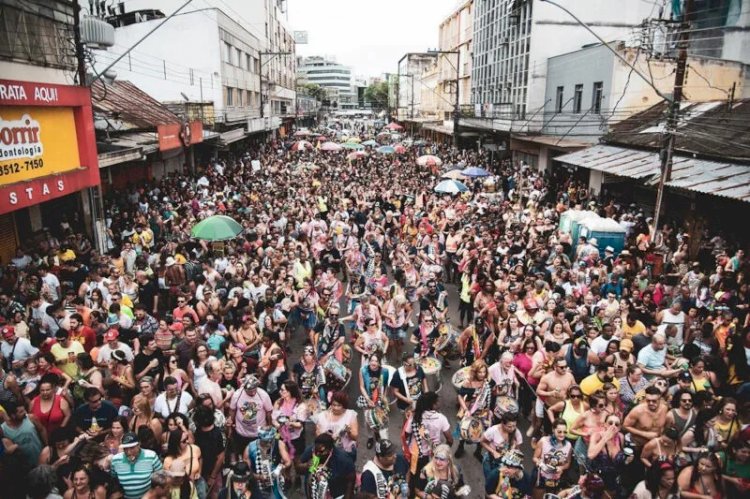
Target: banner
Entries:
(36, 142)
(169, 136)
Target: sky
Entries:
(368, 35)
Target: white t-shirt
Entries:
(497, 440)
(22, 351)
(180, 404)
(105, 352)
(435, 425)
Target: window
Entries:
(596, 98)
(238, 57)
(559, 100)
(249, 64)
(239, 97)
(230, 96)
(577, 98)
(227, 53)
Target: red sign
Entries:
(169, 136)
(196, 132)
(22, 194)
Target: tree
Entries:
(313, 90)
(377, 95)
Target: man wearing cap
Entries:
(241, 484)
(384, 476)
(329, 470)
(133, 467)
(249, 409)
(269, 457)
(15, 350)
(509, 479)
(66, 353)
(112, 343)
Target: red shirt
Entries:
(85, 336)
(178, 313)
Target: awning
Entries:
(438, 128)
(232, 136)
(708, 177)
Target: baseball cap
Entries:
(685, 376)
(130, 439)
(384, 448)
(251, 382)
(8, 332)
(626, 345)
(111, 335)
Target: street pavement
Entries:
(471, 467)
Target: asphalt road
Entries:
(471, 467)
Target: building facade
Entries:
(335, 78)
(411, 70)
(48, 157)
(455, 35)
(511, 43)
(217, 54)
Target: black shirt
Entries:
(341, 467)
(211, 444)
(142, 359)
(147, 294)
(414, 382)
(368, 483)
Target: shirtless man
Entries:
(646, 421)
(552, 389)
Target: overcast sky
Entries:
(369, 35)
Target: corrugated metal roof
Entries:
(711, 129)
(127, 103)
(708, 177)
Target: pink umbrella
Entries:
(321, 138)
(429, 160)
(301, 145)
(394, 126)
(302, 133)
(400, 149)
(356, 155)
(330, 146)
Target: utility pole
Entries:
(668, 141)
(411, 112)
(457, 108)
(80, 55)
(260, 60)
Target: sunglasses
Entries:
(575, 396)
(688, 401)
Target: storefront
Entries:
(47, 154)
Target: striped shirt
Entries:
(135, 477)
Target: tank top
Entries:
(27, 439)
(569, 415)
(51, 420)
(578, 367)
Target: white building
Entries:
(511, 44)
(411, 70)
(210, 52)
(336, 78)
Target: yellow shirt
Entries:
(628, 332)
(66, 357)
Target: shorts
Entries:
(539, 408)
(395, 333)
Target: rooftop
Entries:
(714, 129)
(129, 106)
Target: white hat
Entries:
(170, 261)
(610, 249)
(593, 241)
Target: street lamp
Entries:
(260, 58)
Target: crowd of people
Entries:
(354, 309)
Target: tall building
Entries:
(511, 44)
(411, 70)
(238, 54)
(455, 35)
(336, 78)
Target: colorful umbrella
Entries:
(355, 140)
(216, 228)
(429, 160)
(356, 155)
(475, 171)
(370, 143)
(353, 146)
(394, 126)
(450, 187)
(330, 146)
(420, 143)
(454, 175)
(400, 149)
(302, 133)
(386, 149)
(301, 145)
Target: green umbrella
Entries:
(216, 228)
(353, 146)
